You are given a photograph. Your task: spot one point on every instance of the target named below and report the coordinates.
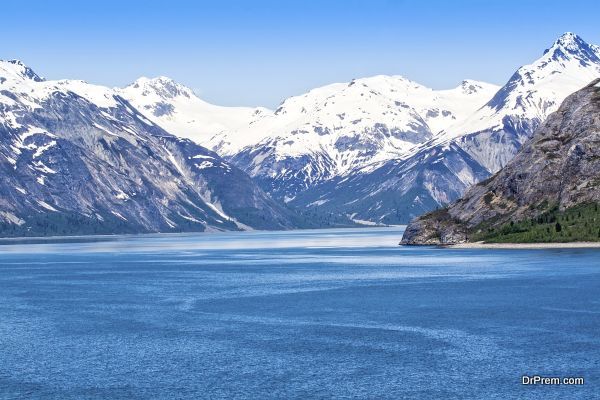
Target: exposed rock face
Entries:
(79, 159)
(559, 166)
(396, 192)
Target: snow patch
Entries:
(103, 129)
(318, 203)
(122, 196)
(12, 218)
(175, 163)
(205, 164)
(216, 207)
(40, 150)
(365, 222)
(203, 156)
(46, 206)
(41, 167)
(189, 218)
(118, 215)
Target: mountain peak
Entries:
(164, 86)
(569, 45)
(568, 38)
(470, 86)
(19, 69)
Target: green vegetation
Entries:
(61, 224)
(577, 224)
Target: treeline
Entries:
(314, 218)
(577, 224)
(65, 224)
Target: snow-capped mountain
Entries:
(328, 132)
(179, 111)
(78, 158)
(344, 110)
(531, 94)
(439, 170)
(336, 129)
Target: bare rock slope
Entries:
(558, 169)
(77, 158)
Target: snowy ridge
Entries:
(401, 110)
(531, 94)
(537, 89)
(178, 110)
(78, 158)
(337, 129)
(328, 132)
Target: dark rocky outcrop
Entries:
(558, 169)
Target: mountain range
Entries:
(382, 149)
(153, 157)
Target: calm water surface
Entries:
(304, 314)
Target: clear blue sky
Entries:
(259, 52)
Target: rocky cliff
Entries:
(552, 185)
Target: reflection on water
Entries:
(305, 314)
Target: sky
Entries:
(257, 53)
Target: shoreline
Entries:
(110, 236)
(530, 246)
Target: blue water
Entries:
(305, 314)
